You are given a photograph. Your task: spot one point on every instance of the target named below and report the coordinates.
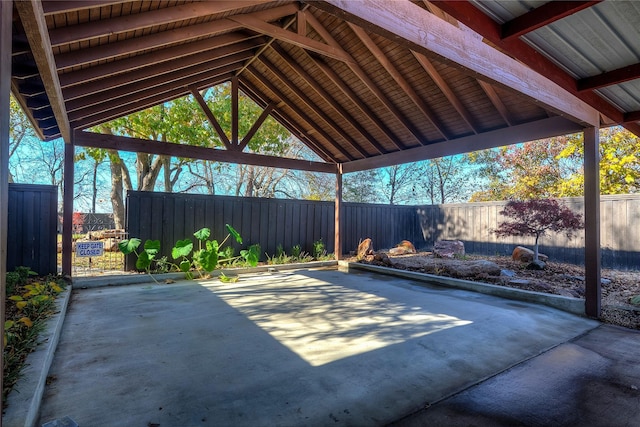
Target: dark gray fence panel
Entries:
(33, 227)
(273, 222)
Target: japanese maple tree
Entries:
(536, 217)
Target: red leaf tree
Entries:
(536, 217)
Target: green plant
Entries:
(296, 250)
(28, 305)
(279, 251)
(635, 300)
(208, 256)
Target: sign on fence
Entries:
(89, 249)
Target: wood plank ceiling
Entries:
(362, 84)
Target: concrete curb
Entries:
(133, 279)
(23, 403)
(568, 304)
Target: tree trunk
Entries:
(535, 249)
(117, 200)
(94, 187)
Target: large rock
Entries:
(522, 254)
(480, 267)
(364, 248)
(404, 247)
(448, 248)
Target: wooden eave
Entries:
(362, 84)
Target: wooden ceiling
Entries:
(362, 84)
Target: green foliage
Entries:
(319, 250)
(635, 300)
(29, 304)
(208, 256)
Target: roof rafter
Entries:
(366, 80)
(621, 75)
(156, 40)
(35, 26)
(306, 100)
(305, 136)
(353, 97)
(120, 107)
(328, 98)
(108, 27)
(497, 102)
(444, 87)
(125, 88)
(51, 7)
(202, 51)
(541, 16)
(407, 23)
(97, 140)
(291, 37)
(381, 57)
(294, 107)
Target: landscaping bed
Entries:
(618, 287)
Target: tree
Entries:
(399, 182)
(619, 163)
(531, 170)
(361, 187)
(536, 217)
(446, 179)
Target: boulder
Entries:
(364, 248)
(536, 265)
(473, 268)
(448, 248)
(522, 254)
(404, 247)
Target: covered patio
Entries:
(363, 84)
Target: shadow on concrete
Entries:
(306, 347)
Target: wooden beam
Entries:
(539, 129)
(96, 140)
(297, 110)
(306, 100)
(35, 27)
(235, 116)
(6, 38)
(67, 207)
(475, 19)
(633, 116)
(496, 101)
(404, 85)
(544, 15)
(212, 119)
(353, 97)
(256, 125)
(288, 122)
(337, 243)
(162, 82)
(293, 38)
(164, 38)
(178, 57)
(369, 84)
(51, 7)
(329, 99)
(610, 78)
(421, 31)
(592, 250)
(165, 16)
(140, 102)
(444, 87)
(301, 23)
(117, 102)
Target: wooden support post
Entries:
(592, 250)
(337, 249)
(6, 15)
(234, 112)
(67, 207)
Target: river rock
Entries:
(448, 248)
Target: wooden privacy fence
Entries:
(32, 234)
(272, 222)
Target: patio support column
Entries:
(6, 13)
(337, 248)
(67, 207)
(592, 221)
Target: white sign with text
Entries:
(89, 249)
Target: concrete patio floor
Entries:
(297, 348)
